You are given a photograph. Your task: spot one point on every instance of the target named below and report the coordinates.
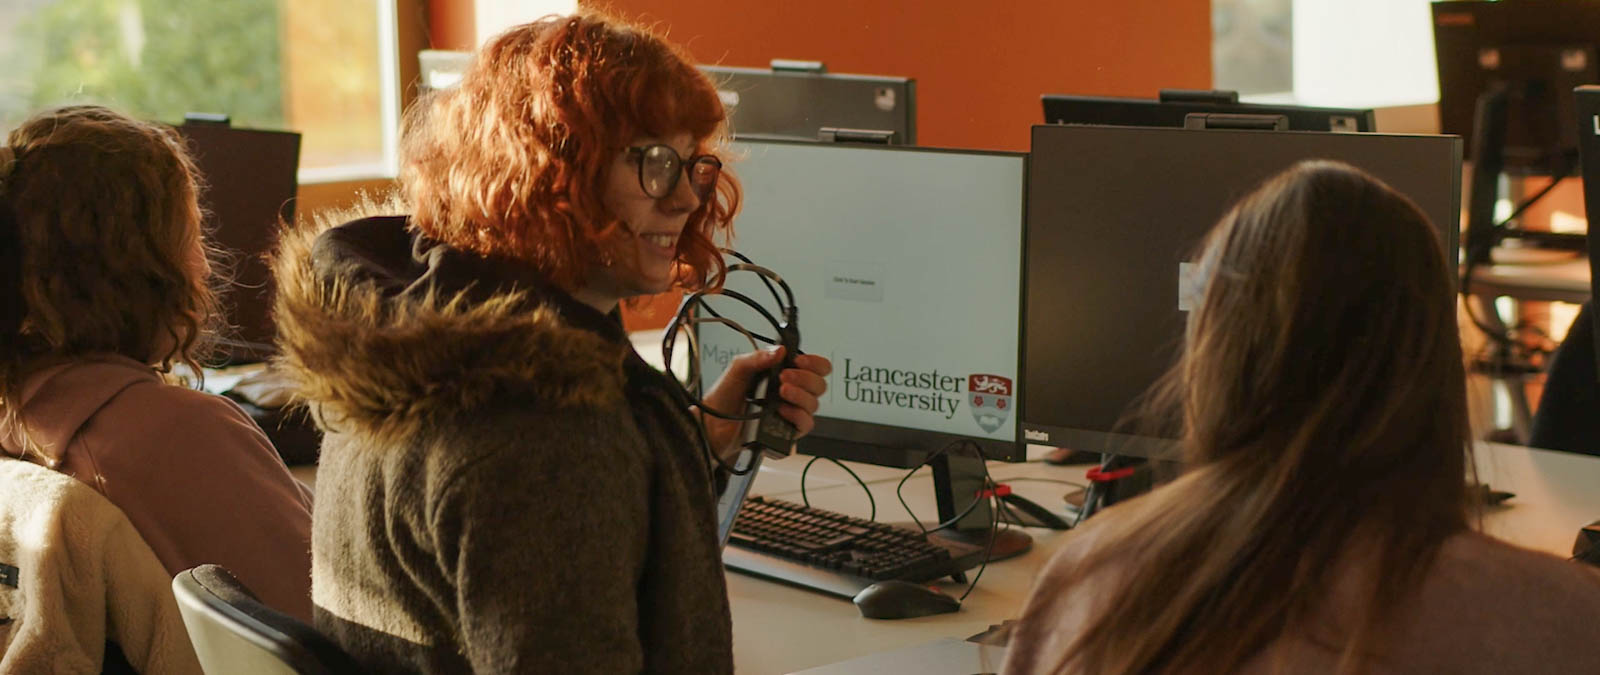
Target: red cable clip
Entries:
(1097, 475)
(1000, 490)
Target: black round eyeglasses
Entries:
(661, 167)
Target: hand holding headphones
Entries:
(766, 399)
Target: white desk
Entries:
(778, 629)
(1563, 281)
(1557, 494)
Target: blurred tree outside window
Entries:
(1252, 46)
(324, 68)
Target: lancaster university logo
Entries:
(990, 396)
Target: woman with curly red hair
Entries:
(505, 486)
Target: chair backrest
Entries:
(234, 633)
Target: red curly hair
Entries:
(513, 162)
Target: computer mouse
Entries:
(903, 600)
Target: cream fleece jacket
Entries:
(73, 574)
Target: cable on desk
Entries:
(807, 501)
(994, 527)
(989, 494)
(900, 488)
(1031, 479)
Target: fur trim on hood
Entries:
(372, 360)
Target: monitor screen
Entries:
(1144, 112)
(250, 178)
(1115, 217)
(796, 105)
(905, 266)
(1537, 51)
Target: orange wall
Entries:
(980, 70)
(452, 25)
(980, 66)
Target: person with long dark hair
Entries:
(1322, 523)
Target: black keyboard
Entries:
(835, 553)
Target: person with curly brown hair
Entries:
(505, 485)
(105, 284)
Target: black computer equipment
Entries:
(250, 180)
(1115, 216)
(904, 263)
(896, 599)
(834, 553)
(1588, 127)
(1506, 75)
(1174, 107)
(797, 100)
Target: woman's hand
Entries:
(800, 387)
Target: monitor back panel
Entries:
(250, 182)
(795, 106)
(1115, 214)
(1143, 112)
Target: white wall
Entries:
(494, 16)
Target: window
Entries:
(325, 68)
(1341, 53)
(1252, 46)
(493, 16)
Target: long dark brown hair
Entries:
(1323, 402)
(100, 217)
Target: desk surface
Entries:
(778, 629)
(1562, 281)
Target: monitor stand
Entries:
(957, 483)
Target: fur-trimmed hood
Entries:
(381, 329)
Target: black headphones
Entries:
(771, 434)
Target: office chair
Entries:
(234, 633)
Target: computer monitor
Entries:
(797, 102)
(1535, 52)
(1116, 215)
(442, 69)
(250, 178)
(905, 266)
(1171, 112)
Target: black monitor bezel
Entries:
(905, 447)
(1157, 113)
(1115, 442)
(909, 83)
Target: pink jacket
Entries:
(1485, 607)
(194, 474)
